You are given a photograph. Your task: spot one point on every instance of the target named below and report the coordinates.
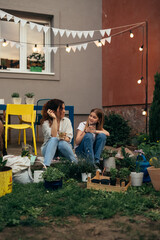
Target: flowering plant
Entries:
(155, 161)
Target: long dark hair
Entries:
(100, 114)
(52, 104)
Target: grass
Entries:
(33, 205)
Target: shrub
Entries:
(154, 113)
(118, 128)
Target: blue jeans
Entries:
(54, 146)
(92, 148)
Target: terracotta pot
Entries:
(154, 174)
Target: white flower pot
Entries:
(109, 163)
(29, 100)
(38, 176)
(16, 100)
(85, 176)
(136, 179)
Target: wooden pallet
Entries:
(104, 187)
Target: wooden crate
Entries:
(104, 187)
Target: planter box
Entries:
(104, 187)
(35, 69)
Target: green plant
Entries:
(106, 153)
(29, 95)
(154, 113)
(155, 161)
(118, 128)
(124, 174)
(127, 161)
(36, 59)
(84, 166)
(2, 162)
(113, 173)
(52, 174)
(15, 95)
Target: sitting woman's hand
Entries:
(51, 113)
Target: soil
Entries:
(73, 228)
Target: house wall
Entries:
(122, 61)
(78, 75)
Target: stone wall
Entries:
(133, 114)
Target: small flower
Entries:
(145, 139)
(157, 141)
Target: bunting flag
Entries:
(67, 32)
(61, 32)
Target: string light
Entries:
(99, 43)
(140, 80)
(68, 49)
(144, 112)
(141, 48)
(131, 34)
(4, 44)
(35, 49)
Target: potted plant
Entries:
(5, 177)
(52, 178)
(124, 175)
(16, 98)
(154, 172)
(108, 156)
(85, 168)
(113, 176)
(29, 98)
(36, 61)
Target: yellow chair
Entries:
(20, 109)
(25, 119)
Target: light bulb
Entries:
(141, 48)
(35, 49)
(4, 44)
(144, 112)
(140, 80)
(99, 43)
(131, 34)
(68, 49)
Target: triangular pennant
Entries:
(32, 25)
(108, 39)
(74, 48)
(68, 33)
(39, 27)
(49, 49)
(23, 22)
(91, 33)
(73, 33)
(17, 45)
(54, 49)
(103, 41)
(85, 33)
(84, 46)
(9, 16)
(79, 34)
(79, 47)
(2, 14)
(96, 42)
(102, 32)
(55, 31)
(108, 31)
(16, 19)
(45, 29)
(12, 44)
(61, 32)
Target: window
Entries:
(16, 55)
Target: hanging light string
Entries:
(83, 42)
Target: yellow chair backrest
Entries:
(20, 109)
(27, 118)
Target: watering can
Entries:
(144, 164)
